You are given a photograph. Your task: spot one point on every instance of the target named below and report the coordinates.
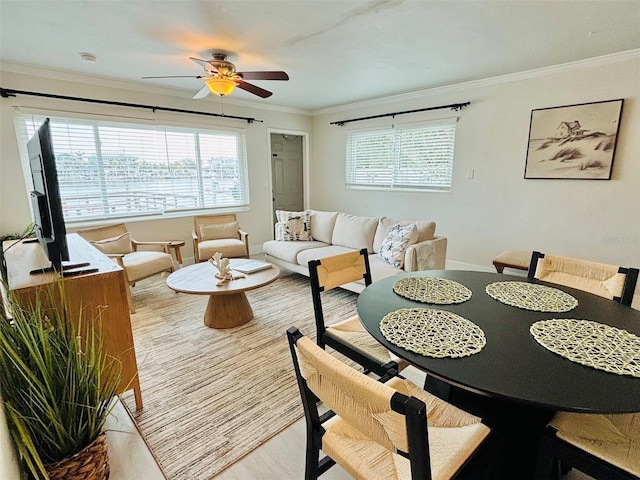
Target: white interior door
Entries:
(287, 172)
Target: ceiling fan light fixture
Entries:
(220, 86)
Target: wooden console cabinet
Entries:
(101, 294)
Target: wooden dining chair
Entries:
(347, 336)
(609, 281)
(605, 447)
(392, 430)
(602, 446)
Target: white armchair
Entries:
(116, 242)
(218, 233)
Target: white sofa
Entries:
(337, 232)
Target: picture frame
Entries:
(575, 142)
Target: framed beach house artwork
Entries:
(574, 141)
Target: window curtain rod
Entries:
(7, 92)
(453, 106)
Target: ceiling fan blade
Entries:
(205, 64)
(200, 61)
(178, 76)
(264, 75)
(203, 92)
(261, 92)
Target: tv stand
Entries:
(62, 268)
(102, 296)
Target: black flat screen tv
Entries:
(45, 198)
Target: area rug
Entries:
(212, 396)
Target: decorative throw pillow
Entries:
(120, 244)
(354, 231)
(293, 226)
(396, 242)
(219, 230)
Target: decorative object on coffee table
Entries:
(57, 388)
(223, 266)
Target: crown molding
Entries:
(109, 82)
(63, 75)
(486, 82)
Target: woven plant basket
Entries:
(90, 463)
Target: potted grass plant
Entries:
(26, 233)
(58, 388)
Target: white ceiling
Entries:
(335, 52)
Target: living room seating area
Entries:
(394, 246)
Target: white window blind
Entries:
(402, 158)
(111, 170)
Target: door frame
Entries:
(305, 166)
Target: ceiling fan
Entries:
(221, 77)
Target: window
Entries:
(115, 170)
(402, 158)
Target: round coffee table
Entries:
(228, 305)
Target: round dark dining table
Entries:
(512, 365)
(513, 383)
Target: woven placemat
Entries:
(433, 333)
(432, 290)
(530, 296)
(590, 343)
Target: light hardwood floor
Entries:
(281, 458)
(129, 456)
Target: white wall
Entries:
(495, 211)
(9, 466)
(498, 209)
(14, 207)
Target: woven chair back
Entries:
(199, 220)
(359, 400)
(598, 278)
(340, 269)
(102, 233)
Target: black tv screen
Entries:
(45, 197)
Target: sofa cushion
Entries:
(381, 269)
(425, 229)
(354, 232)
(228, 247)
(293, 226)
(120, 244)
(139, 265)
(396, 242)
(215, 231)
(288, 251)
(322, 224)
(305, 256)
